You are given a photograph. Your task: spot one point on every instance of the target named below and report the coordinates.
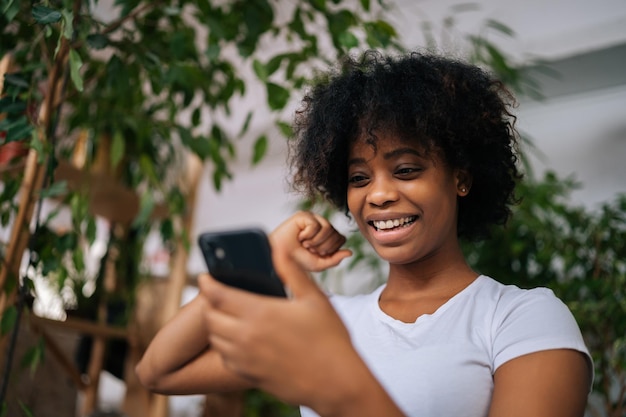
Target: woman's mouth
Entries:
(392, 224)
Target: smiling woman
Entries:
(420, 150)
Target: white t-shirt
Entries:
(443, 363)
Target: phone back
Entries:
(241, 258)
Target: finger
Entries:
(318, 263)
(297, 279)
(230, 300)
(222, 324)
(231, 358)
(325, 241)
(314, 229)
(336, 258)
(309, 226)
(329, 245)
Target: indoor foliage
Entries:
(129, 87)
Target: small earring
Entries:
(463, 190)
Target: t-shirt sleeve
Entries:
(533, 321)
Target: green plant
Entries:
(581, 255)
(130, 87)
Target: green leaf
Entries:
(118, 148)
(79, 261)
(18, 130)
(34, 356)
(167, 230)
(55, 189)
(366, 5)
(200, 146)
(277, 96)
(259, 70)
(68, 24)
(212, 52)
(340, 22)
(26, 410)
(381, 33)
(246, 124)
(217, 180)
(10, 10)
(260, 149)
(146, 165)
(348, 40)
(285, 129)
(273, 64)
(97, 41)
(319, 5)
(146, 206)
(8, 319)
(16, 80)
(10, 105)
(196, 116)
(500, 27)
(38, 145)
(45, 15)
(75, 64)
(91, 230)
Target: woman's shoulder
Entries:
(527, 320)
(508, 297)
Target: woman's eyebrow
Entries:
(402, 151)
(354, 161)
(388, 155)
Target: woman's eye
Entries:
(357, 179)
(406, 171)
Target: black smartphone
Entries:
(242, 258)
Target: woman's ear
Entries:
(463, 182)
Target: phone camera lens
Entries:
(220, 253)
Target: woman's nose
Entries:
(381, 193)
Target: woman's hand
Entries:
(296, 349)
(310, 240)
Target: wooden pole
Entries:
(98, 347)
(29, 188)
(178, 274)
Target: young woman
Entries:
(419, 150)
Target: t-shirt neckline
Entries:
(424, 317)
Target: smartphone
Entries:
(242, 258)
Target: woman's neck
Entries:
(422, 287)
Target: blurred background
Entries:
(565, 60)
(574, 50)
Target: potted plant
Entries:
(142, 83)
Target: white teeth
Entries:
(390, 224)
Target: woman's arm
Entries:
(296, 349)
(550, 383)
(179, 359)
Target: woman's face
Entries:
(404, 202)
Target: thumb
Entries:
(339, 256)
(315, 263)
(297, 279)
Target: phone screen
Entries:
(241, 258)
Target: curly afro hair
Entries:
(442, 104)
